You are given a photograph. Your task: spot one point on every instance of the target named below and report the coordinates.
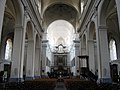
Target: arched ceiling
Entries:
(47, 3)
(60, 10)
(60, 32)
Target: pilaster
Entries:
(37, 62)
(77, 53)
(91, 55)
(17, 62)
(103, 58)
(2, 9)
(30, 60)
(44, 47)
(118, 11)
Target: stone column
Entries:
(37, 62)
(118, 11)
(52, 62)
(91, 55)
(80, 63)
(2, 54)
(83, 62)
(2, 9)
(40, 58)
(30, 60)
(77, 53)
(103, 55)
(3, 47)
(44, 47)
(17, 58)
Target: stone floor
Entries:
(60, 86)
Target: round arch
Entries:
(92, 31)
(58, 2)
(92, 48)
(60, 11)
(13, 19)
(29, 30)
(19, 9)
(106, 9)
(60, 29)
(28, 65)
(102, 11)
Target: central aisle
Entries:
(60, 86)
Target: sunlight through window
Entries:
(8, 51)
(113, 54)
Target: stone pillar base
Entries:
(104, 80)
(16, 80)
(29, 78)
(36, 77)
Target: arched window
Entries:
(82, 6)
(8, 50)
(39, 6)
(113, 53)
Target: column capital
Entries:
(90, 40)
(44, 41)
(37, 47)
(102, 27)
(19, 27)
(31, 40)
(76, 41)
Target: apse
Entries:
(60, 32)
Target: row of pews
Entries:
(49, 84)
(77, 84)
(38, 84)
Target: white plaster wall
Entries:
(72, 53)
(49, 56)
(49, 53)
(47, 70)
(73, 69)
(1, 67)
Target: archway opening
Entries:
(7, 36)
(60, 32)
(92, 45)
(28, 55)
(60, 35)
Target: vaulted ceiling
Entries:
(68, 10)
(60, 20)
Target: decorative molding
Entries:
(102, 27)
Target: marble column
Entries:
(2, 9)
(103, 56)
(30, 60)
(17, 58)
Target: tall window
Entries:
(39, 6)
(82, 6)
(8, 51)
(113, 53)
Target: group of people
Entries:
(58, 74)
